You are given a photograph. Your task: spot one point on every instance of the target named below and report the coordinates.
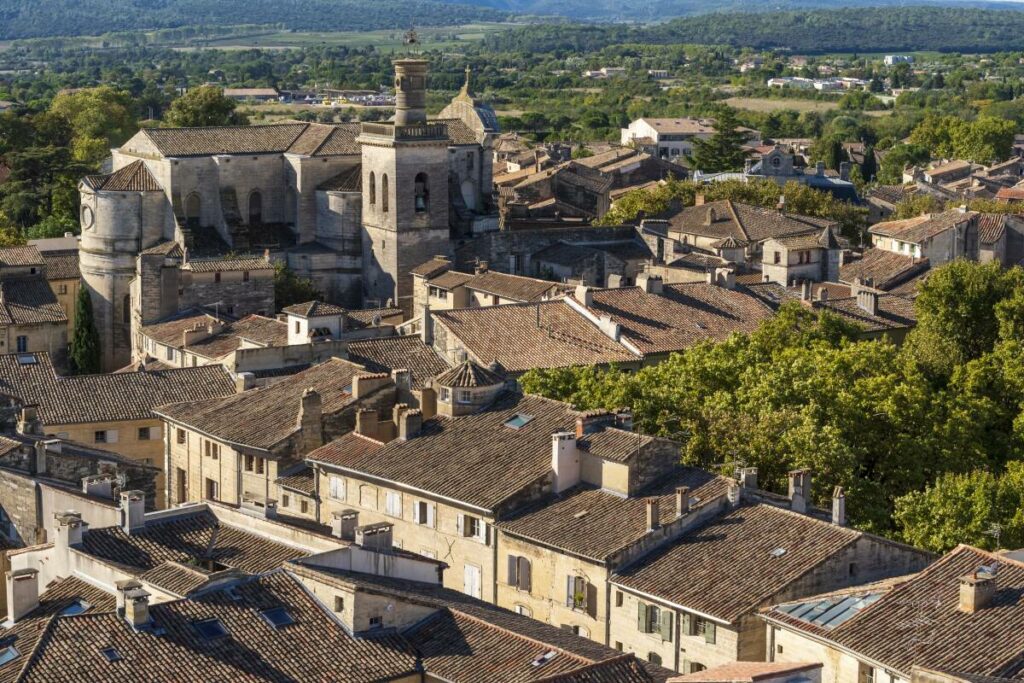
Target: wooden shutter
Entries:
(430, 514)
(513, 570)
(591, 594)
(524, 574)
(684, 624)
(641, 617)
(709, 632)
(460, 523)
(570, 584)
(666, 625)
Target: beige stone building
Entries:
(61, 268)
(31, 317)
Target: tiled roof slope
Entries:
(314, 648)
(514, 287)
(917, 622)
(726, 568)
(744, 222)
(176, 577)
(920, 228)
(542, 335)
(468, 375)
(134, 177)
(29, 300)
(20, 256)
(62, 265)
(407, 352)
(595, 524)
(263, 417)
(459, 458)
(254, 328)
(106, 398)
(312, 309)
(884, 268)
(233, 263)
(894, 312)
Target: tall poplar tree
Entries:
(85, 342)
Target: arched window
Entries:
(126, 309)
(255, 208)
(193, 209)
(384, 192)
(373, 189)
(422, 200)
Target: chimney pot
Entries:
(133, 511)
(375, 536)
(734, 494)
(409, 424)
(136, 607)
(22, 593)
(977, 590)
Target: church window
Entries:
(384, 192)
(373, 189)
(422, 200)
(126, 310)
(255, 208)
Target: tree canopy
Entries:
(204, 106)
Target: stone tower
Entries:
(120, 213)
(405, 191)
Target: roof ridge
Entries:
(594, 664)
(494, 627)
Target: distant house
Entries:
(252, 94)
(892, 60)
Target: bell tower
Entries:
(405, 191)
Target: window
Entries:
(337, 488)
(384, 192)
(423, 513)
(373, 189)
(853, 569)
(245, 276)
(523, 610)
(259, 464)
(472, 527)
(179, 435)
(471, 580)
(518, 421)
(212, 450)
(519, 572)
(62, 289)
(581, 595)
(216, 276)
(100, 436)
(376, 621)
(438, 293)
(654, 658)
(421, 201)
(284, 500)
(393, 504)
(169, 352)
(703, 627)
(144, 434)
(653, 619)
(210, 629)
(865, 673)
(277, 617)
(111, 655)
(339, 603)
(22, 344)
(618, 598)
(778, 257)
(464, 396)
(212, 489)
(304, 507)
(445, 394)
(248, 463)
(181, 480)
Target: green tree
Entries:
(85, 341)
(100, 118)
(723, 151)
(290, 289)
(898, 158)
(204, 106)
(869, 168)
(829, 151)
(52, 226)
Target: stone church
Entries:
(353, 206)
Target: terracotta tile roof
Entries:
(547, 334)
(168, 248)
(682, 126)
(513, 287)
(226, 264)
(299, 477)
(920, 228)
(312, 309)
(456, 457)
(468, 375)
(892, 194)
(314, 648)
(198, 537)
(20, 256)
(744, 222)
(727, 569)
(365, 317)
(894, 312)
(29, 300)
(684, 315)
(991, 227)
(747, 672)
(25, 635)
(458, 132)
(176, 577)
(262, 418)
(917, 622)
(114, 397)
(450, 279)
(884, 269)
(254, 328)
(589, 522)
(826, 239)
(949, 168)
(1010, 193)
(134, 177)
(327, 140)
(62, 265)
(432, 268)
(350, 180)
(407, 352)
(186, 142)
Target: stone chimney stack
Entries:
(121, 587)
(584, 295)
(682, 500)
(136, 607)
(839, 506)
(977, 590)
(22, 593)
(734, 494)
(652, 284)
(133, 511)
(698, 199)
(805, 290)
(427, 326)
(799, 490)
(308, 422)
(748, 477)
(244, 381)
(565, 461)
(868, 301)
(101, 485)
(375, 536)
(29, 422)
(344, 523)
(410, 92)
(70, 529)
(410, 422)
(39, 451)
(366, 423)
(653, 515)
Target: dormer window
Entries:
(8, 654)
(445, 394)
(464, 396)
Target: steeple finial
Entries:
(469, 72)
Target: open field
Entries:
(445, 37)
(766, 104)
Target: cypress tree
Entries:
(85, 342)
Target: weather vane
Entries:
(411, 38)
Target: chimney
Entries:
(593, 421)
(844, 170)
(308, 422)
(682, 500)
(698, 199)
(734, 493)
(244, 381)
(366, 423)
(624, 419)
(725, 277)
(428, 402)
(481, 267)
(823, 294)
(367, 383)
(584, 295)
(710, 217)
(977, 589)
(652, 284)
(39, 450)
(136, 607)
(403, 384)
(120, 588)
(70, 529)
(565, 461)
(614, 281)
(101, 485)
(653, 518)
(22, 593)
(839, 506)
(344, 523)
(133, 511)
(799, 490)
(427, 326)
(375, 536)
(805, 290)
(409, 424)
(748, 477)
(28, 420)
(868, 301)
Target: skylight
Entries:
(830, 612)
(518, 421)
(111, 655)
(778, 552)
(545, 658)
(8, 654)
(77, 607)
(210, 629)
(277, 617)
(27, 359)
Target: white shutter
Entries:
(569, 585)
(416, 512)
(430, 514)
(111, 436)
(483, 531)
(460, 523)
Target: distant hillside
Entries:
(872, 29)
(37, 18)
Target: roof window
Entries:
(27, 359)
(277, 617)
(210, 629)
(76, 607)
(778, 552)
(8, 654)
(545, 658)
(111, 655)
(518, 421)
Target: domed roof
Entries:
(469, 375)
